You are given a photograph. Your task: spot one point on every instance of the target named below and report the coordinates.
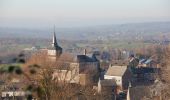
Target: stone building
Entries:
(81, 69)
(88, 68)
(121, 75)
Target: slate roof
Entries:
(148, 61)
(55, 45)
(144, 70)
(85, 58)
(66, 58)
(142, 61)
(116, 70)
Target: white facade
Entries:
(52, 52)
(118, 79)
(15, 93)
(65, 75)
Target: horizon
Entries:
(82, 27)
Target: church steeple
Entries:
(54, 42)
(55, 50)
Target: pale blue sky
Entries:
(70, 13)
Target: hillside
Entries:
(103, 32)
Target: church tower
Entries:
(55, 50)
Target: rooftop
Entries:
(85, 58)
(116, 70)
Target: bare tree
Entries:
(165, 75)
(53, 79)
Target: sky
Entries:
(77, 13)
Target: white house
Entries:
(121, 75)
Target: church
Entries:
(81, 69)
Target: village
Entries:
(84, 50)
(132, 78)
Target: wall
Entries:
(126, 78)
(118, 79)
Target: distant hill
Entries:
(102, 32)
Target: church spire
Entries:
(54, 42)
(55, 50)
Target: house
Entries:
(121, 75)
(148, 63)
(89, 67)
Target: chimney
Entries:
(85, 52)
